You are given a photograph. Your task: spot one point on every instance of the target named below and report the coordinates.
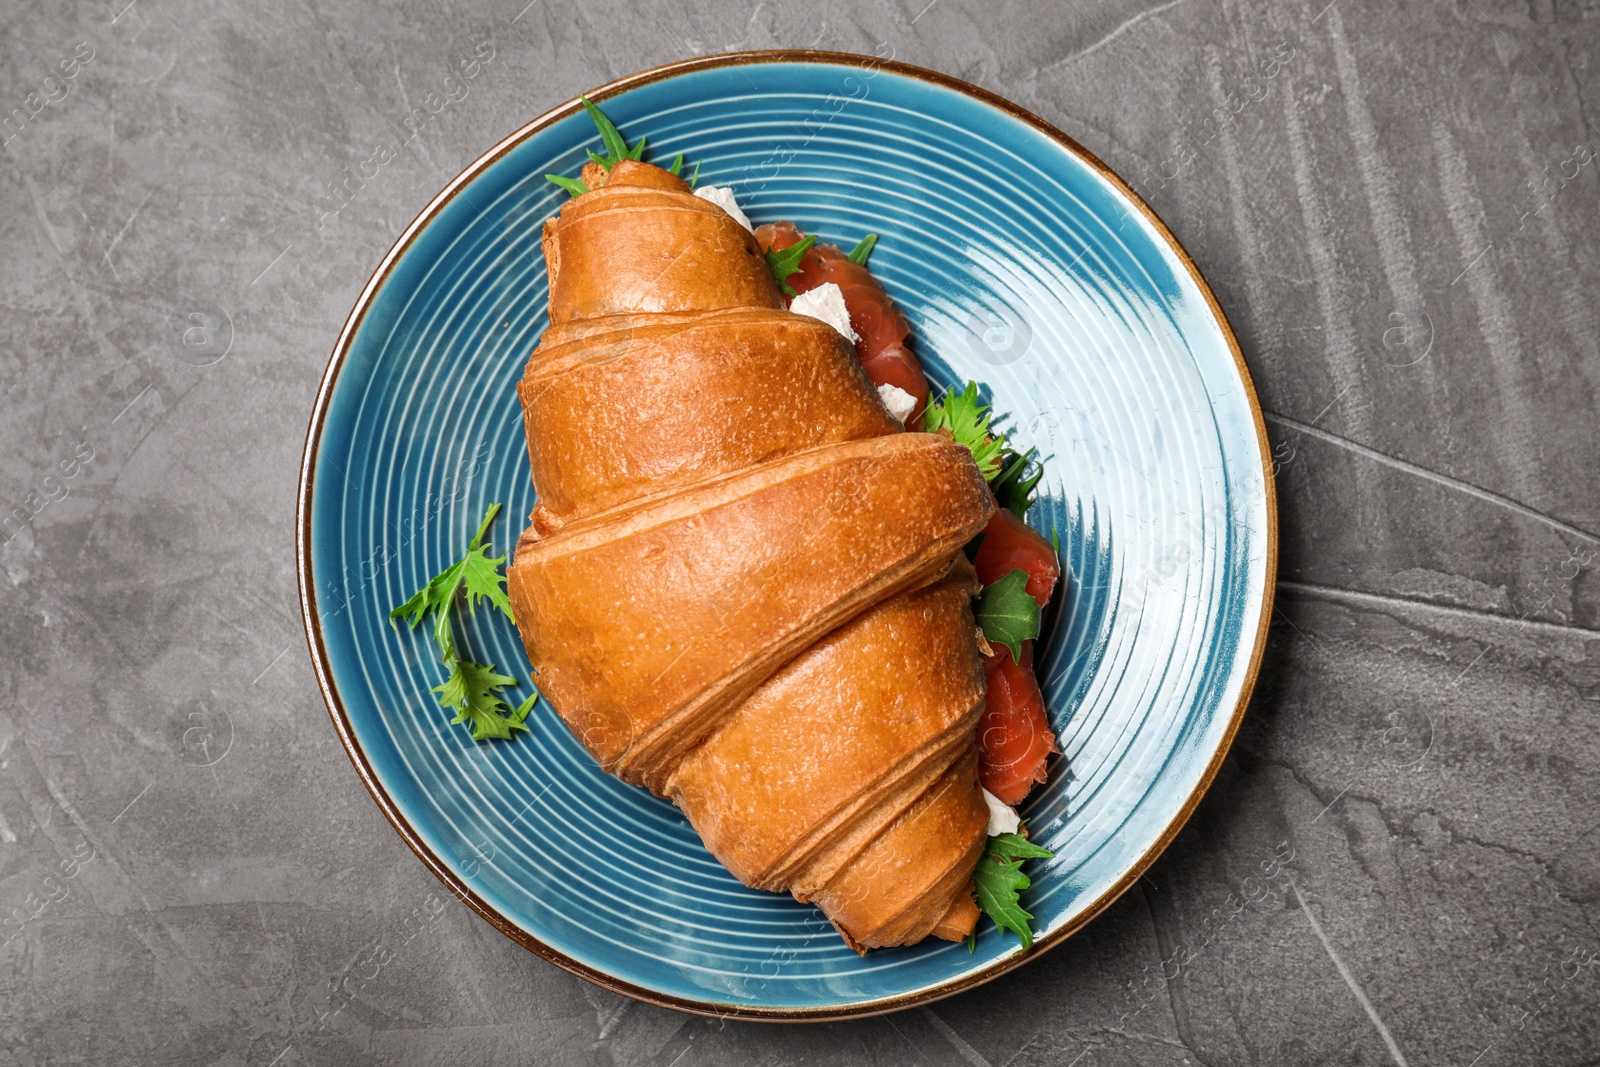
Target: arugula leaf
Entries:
(475, 571)
(437, 591)
(677, 166)
(1007, 614)
(787, 261)
(695, 177)
(860, 252)
(480, 575)
(999, 878)
(968, 422)
(574, 186)
(520, 713)
(473, 690)
(1011, 488)
(612, 141)
(616, 148)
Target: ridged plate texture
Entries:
(1021, 263)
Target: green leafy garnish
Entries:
(860, 252)
(616, 150)
(1013, 486)
(787, 261)
(999, 878)
(695, 177)
(968, 422)
(475, 571)
(1007, 614)
(677, 166)
(611, 139)
(472, 689)
(574, 186)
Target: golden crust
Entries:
(632, 248)
(911, 876)
(896, 696)
(646, 625)
(629, 406)
(744, 586)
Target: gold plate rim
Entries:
(318, 650)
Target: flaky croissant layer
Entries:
(743, 587)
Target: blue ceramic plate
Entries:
(1022, 262)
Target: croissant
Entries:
(743, 587)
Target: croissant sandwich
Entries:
(745, 586)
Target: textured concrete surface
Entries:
(1399, 206)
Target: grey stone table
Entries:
(1398, 205)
